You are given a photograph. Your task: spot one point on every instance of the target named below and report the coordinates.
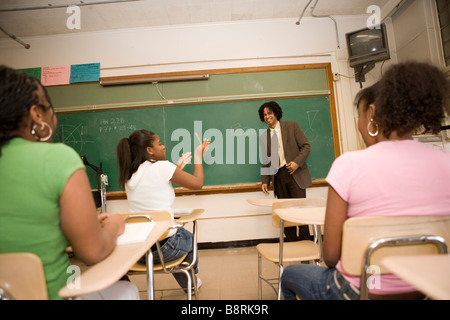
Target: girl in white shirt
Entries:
(147, 178)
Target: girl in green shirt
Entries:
(45, 196)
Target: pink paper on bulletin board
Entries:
(52, 76)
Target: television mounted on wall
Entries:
(367, 46)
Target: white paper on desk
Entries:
(182, 211)
(135, 233)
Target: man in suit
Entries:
(284, 162)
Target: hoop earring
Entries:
(43, 125)
(368, 128)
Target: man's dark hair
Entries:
(274, 107)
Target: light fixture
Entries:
(115, 82)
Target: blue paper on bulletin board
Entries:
(88, 72)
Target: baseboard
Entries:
(235, 244)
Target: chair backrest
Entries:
(22, 276)
(359, 233)
(165, 215)
(309, 204)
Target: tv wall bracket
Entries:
(361, 70)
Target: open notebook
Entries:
(135, 233)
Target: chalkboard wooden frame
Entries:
(235, 188)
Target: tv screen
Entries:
(367, 45)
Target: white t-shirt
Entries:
(392, 178)
(150, 188)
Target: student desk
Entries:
(305, 215)
(314, 214)
(309, 211)
(108, 271)
(262, 202)
(267, 202)
(427, 273)
(287, 213)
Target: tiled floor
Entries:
(226, 274)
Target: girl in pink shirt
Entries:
(395, 175)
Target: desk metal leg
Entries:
(320, 241)
(150, 284)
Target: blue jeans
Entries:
(311, 282)
(175, 247)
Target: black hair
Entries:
(411, 96)
(18, 92)
(367, 95)
(132, 151)
(274, 107)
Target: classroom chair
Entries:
(176, 266)
(22, 277)
(367, 240)
(291, 252)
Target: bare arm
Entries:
(187, 180)
(336, 214)
(91, 239)
(192, 181)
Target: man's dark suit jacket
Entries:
(296, 148)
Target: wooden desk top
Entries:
(303, 210)
(265, 202)
(108, 271)
(185, 218)
(302, 215)
(428, 273)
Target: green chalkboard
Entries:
(92, 119)
(233, 128)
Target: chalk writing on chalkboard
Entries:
(115, 124)
(310, 132)
(72, 136)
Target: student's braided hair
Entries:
(17, 95)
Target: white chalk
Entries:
(198, 138)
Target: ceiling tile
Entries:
(146, 13)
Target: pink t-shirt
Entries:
(392, 178)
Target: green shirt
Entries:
(32, 178)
